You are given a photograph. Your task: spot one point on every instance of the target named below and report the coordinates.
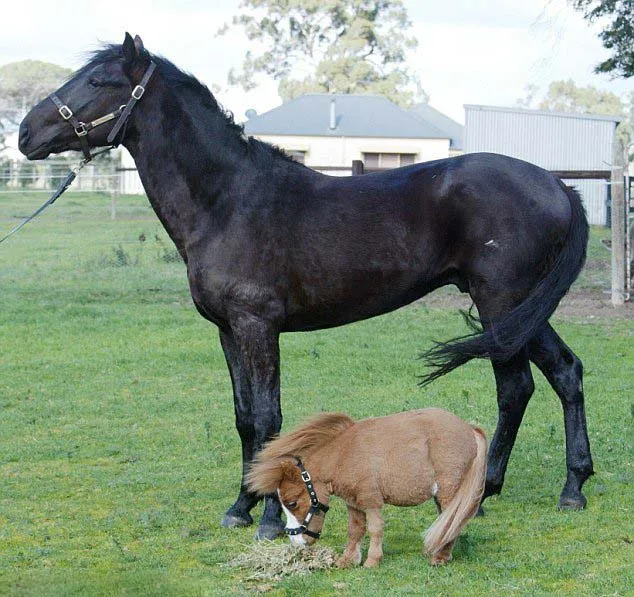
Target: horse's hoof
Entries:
(572, 503)
(269, 532)
(231, 521)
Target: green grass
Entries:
(118, 453)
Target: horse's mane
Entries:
(268, 467)
(314, 434)
(177, 78)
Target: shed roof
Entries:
(528, 111)
(354, 116)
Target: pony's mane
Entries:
(314, 434)
(269, 465)
(177, 78)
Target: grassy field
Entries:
(118, 453)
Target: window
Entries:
(388, 160)
(297, 155)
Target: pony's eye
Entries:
(94, 82)
(291, 505)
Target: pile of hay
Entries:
(268, 560)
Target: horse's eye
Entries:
(94, 82)
(291, 505)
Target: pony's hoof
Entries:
(268, 532)
(371, 563)
(439, 560)
(345, 562)
(572, 503)
(231, 521)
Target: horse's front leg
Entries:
(356, 530)
(239, 514)
(252, 352)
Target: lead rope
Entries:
(70, 177)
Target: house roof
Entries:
(354, 116)
(454, 130)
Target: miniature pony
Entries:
(402, 459)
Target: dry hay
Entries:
(267, 560)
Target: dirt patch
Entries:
(578, 304)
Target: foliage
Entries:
(329, 46)
(617, 36)
(23, 84)
(119, 455)
(566, 96)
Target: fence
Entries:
(111, 200)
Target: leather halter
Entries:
(122, 113)
(81, 130)
(315, 506)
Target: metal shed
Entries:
(556, 141)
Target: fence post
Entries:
(115, 191)
(617, 184)
(357, 167)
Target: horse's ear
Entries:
(138, 44)
(129, 48)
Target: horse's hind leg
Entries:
(564, 370)
(375, 529)
(515, 387)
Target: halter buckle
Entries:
(305, 476)
(80, 130)
(137, 92)
(65, 112)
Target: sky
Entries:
(469, 52)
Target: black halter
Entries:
(122, 113)
(315, 506)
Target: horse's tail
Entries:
(505, 337)
(465, 502)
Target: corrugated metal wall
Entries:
(552, 140)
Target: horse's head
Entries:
(102, 87)
(303, 499)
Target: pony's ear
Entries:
(288, 467)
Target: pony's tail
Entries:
(505, 337)
(464, 504)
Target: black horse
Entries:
(272, 246)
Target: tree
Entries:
(565, 96)
(23, 84)
(618, 35)
(329, 46)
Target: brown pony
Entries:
(403, 459)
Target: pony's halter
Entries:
(315, 506)
(122, 113)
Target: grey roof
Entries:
(355, 116)
(580, 115)
(454, 130)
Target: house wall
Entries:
(322, 152)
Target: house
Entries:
(454, 129)
(328, 131)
